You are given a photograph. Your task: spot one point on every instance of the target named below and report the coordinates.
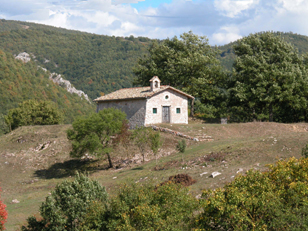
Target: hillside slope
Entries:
(92, 63)
(34, 159)
(23, 81)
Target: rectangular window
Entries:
(154, 110)
(178, 110)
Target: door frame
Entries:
(169, 109)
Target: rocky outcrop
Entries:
(56, 78)
(24, 57)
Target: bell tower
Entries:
(155, 83)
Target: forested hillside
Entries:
(23, 81)
(92, 63)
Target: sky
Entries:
(222, 21)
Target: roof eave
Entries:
(104, 100)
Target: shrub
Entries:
(273, 200)
(305, 151)
(3, 215)
(68, 205)
(181, 146)
(33, 112)
(144, 207)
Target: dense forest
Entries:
(23, 81)
(92, 63)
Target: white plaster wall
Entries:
(175, 100)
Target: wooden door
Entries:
(166, 114)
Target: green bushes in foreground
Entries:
(272, 200)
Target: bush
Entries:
(273, 200)
(181, 146)
(68, 205)
(145, 207)
(3, 215)
(305, 151)
(33, 112)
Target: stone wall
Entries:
(134, 109)
(174, 100)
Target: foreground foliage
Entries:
(83, 205)
(3, 214)
(67, 206)
(137, 207)
(273, 200)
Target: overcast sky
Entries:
(222, 21)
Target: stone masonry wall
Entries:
(134, 109)
(175, 100)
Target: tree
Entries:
(67, 206)
(3, 215)
(188, 63)
(155, 143)
(141, 138)
(181, 146)
(268, 75)
(33, 112)
(93, 134)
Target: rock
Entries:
(239, 170)
(214, 174)
(15, 201)
(56, 78)
(115, 177)
(24, 57)
(203, 173)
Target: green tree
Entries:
(33, 112)
(141, 137)
(188, 63)
(268, 75)
(155, 143)
(68, 205)
(93, 134)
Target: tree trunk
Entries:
(270, 111)
(192, 108)
(109, 160)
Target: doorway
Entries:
(166, 114)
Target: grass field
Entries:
(34, 159)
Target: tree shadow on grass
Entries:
(69, 168)
(137, 168)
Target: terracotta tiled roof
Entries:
(136, 93)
